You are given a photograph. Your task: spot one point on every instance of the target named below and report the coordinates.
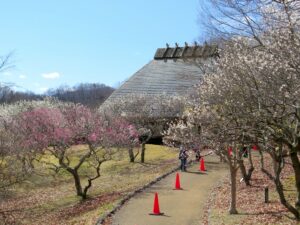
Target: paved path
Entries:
(182, 207)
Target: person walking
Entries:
(197, 155)
(183, 158)
(196, 150)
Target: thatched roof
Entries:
(172, 72)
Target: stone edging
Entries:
(134, 193)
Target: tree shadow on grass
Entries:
(255, 186)
(89, 204)
(291, 190)
(277, 213)
(148, 164)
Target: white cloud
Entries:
(7, 74)
(43, 89)
(53, 75)
(39, 88)
(22, 76)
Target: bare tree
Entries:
(223, 19)
(89, 94)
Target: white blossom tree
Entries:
(149, 113)
(253, 93)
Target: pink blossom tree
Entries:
(16, 162)
(55, 130)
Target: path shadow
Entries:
(196, 172)
(160, 189)
(216, 163)
(183, 189)
(163, 215)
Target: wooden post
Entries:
(267, 194)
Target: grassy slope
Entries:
(51, 199)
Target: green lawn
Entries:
(51, 199)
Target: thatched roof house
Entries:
(172, 72)
(152, 94)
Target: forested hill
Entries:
(89, 94)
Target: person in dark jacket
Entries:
(197, 155)
(196, 150)
(183, 158)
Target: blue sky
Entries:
(66, 42)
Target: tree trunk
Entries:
(244, 172)
(251, 169)
(131, 155)
(143, 152)
(74, 172)
(262, 162)
(283, 200)
(78, 185)
(296, 167)
(262, 166)
(280, 192)
(233, 172)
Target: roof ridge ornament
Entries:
(175, 50)
(166, 50)
(194, 50)
(186, 45)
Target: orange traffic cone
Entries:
(156, 211)
(177, 183)
(202, 166)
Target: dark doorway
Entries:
(155, 141)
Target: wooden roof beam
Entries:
(174, 53)
(166, 50)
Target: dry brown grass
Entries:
(250, 202)
(52, 200)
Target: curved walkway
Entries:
(181, 207)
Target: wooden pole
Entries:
(266, 194)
